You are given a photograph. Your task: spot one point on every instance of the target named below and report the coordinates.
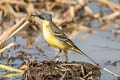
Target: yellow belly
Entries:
(51, 39)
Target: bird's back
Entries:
(63, 38)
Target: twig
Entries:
(110, 4)
(11, 69)
(66, 2)
(9, 75)
(62, 78)
(22, 26)
(111, 16)
(87, 75)
(110, 72)
(20, 3)
(8, 60)
(82, 71)
(10, 31)
(6, 47)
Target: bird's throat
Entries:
(46, 30)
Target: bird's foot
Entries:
(58, 56)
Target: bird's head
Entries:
(44, 16)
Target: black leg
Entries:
(56, 56)
(66, 55)
(60, 50)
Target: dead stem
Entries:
(6, 47)
(7, 34)
(112, 73)
(62, 78)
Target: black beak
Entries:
(43, 16)
(35, 15)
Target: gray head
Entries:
(44, 16)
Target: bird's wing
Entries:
(61, 36)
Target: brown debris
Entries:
(49, 70)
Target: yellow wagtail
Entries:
(55, 37)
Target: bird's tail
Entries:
(82, 53)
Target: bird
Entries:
(55, 37)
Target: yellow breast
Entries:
(50, 38)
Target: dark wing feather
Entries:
(61, 36)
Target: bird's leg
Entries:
(66, 55)
(56, 56)
(60, 50)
